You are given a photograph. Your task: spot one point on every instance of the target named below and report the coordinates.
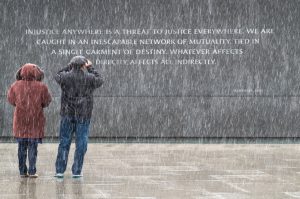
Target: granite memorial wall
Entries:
(172, 68)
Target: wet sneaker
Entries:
(59, 175)
(33, 176)
(77, 176)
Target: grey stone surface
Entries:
(3, 124)
(249, 116)
(160, 171)
(182, 117)
(147, 100)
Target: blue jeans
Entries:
(31, 147)
(68, 126)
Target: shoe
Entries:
(77, 176)
(24, 175)
(59, 175)
(33, 176)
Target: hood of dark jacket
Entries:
(30, 72)
(77, 62)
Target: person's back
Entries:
(77, 90)
(77, 87)
(29, 96)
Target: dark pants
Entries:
(68, 126)
(31, 147)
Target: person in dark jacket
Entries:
(29, 96)
(77, 81)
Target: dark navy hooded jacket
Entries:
(77, 88)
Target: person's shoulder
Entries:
(16, 83)
(41, 85)
(67, 74)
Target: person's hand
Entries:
(88, 64)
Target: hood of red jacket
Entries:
(30, 72)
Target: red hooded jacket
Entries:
(29, 96)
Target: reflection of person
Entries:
(77, 85)
(77, 188)
(29, 96)
(60, 187)
(27, 188)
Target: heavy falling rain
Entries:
(172, 99)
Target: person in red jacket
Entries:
(29, 96)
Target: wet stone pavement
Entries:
(153, 171)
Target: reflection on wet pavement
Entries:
(152, 171)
